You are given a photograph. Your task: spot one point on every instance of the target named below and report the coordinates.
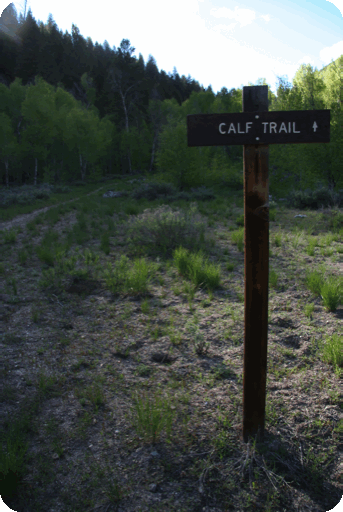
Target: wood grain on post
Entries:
(256, 258)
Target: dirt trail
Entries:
(22, 220)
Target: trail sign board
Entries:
(255, 128)
(297, 126)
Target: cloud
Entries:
(243, 16)
(266, 17)
(306, 60)
(331, 52)
(224, 28)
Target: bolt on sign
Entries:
(255, 128)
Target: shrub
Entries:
(185, 196)
(240, 220)
(154, 190)
(110, 177)
(61, 189)
(202, 194)
(78, 183)
(336, 220)
(25, 194)
(25, 198)
(7, 199)
(166, 229)
(42, 194)
(313, 199)
(233, 181)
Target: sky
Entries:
(221, 43)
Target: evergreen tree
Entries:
(29, 51)
(124, 79)
(51, 56)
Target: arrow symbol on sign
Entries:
(315, 126)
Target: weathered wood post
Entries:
(256, 270)
(255, 129)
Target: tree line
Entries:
(73, 110)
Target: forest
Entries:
(71, 110)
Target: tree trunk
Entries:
(17, 130)
(126, 126)
(153, 153)
(61, 171)
(129, 159)
(54, 166)
(83, 167)
(6, 165)
(36, 169)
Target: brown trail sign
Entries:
(256, 128)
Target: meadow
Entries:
(122, 332)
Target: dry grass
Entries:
(122, 375)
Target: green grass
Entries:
(152, 414)
(332, 351)
(330, 290)
(12, 456)
(10, 236)
(332, 293)
(237, 238)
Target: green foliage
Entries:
(12, 458)
(331, 293)
(332, 351)
(65, 135)
(154, 190)
(225, 166)
(138, 142)
(8, 141)
(61, 189)
(22, 256)
(38, 112)
(87, 84)
(202, 194)
(164, 229)
(237, 237)
(151, 415)
(228, 101)
(310, 85)
(193, 266)
(46, 255)
(307, 165)
(48, 249)
(330, 290)
(105, 242)
(314, 281)
(130, 279)
(179, 164)
(240, 220)
(10, 236)
(199, 103)
(81, 135)
(313, 199)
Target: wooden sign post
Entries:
(256, 128)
